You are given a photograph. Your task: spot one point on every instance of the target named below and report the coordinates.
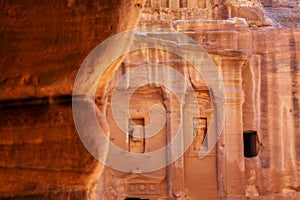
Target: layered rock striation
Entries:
(43, 44)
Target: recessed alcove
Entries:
(250, 143)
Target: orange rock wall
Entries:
(260, 70)
(268, 101)
(43, 44)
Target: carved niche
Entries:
(199, 132)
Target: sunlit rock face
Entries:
(43, 44)
(257, 55)
(255, 45)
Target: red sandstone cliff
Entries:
(43, 43)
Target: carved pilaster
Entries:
(176, 169)
(231, 165)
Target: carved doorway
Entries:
(137, 184)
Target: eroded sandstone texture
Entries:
(43, 44)
(256, 46)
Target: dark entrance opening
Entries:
(132, 198)
(250, 144)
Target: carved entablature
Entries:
(175, 3)
(138, 184)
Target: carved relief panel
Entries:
(136, 135)
(137, 185)
(199, 133)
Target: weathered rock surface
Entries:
(43, 43)
(258, 58)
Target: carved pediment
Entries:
(139, 184)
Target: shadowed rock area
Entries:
(43, 44)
